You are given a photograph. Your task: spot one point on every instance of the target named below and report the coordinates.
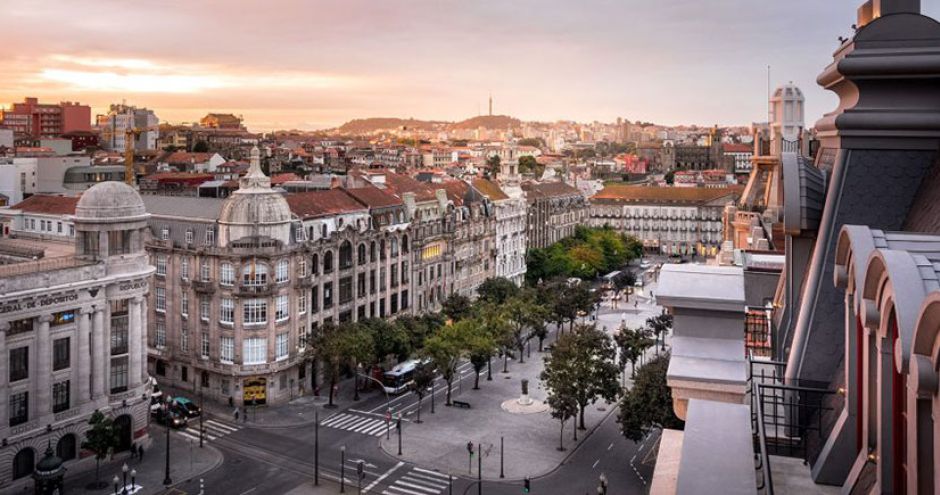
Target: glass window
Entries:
(282, 310)
(165, 233)
(255, 350)
(315, 298)
(118, 374)
(328, 295)
(189, 236)
(204, 273)
(119, 242)
(19, 408)
(210, 237)
(61, 353)
(345, 255)
(361, 255)
(254, 311)
(227, 274)
(184, 340)
(20, 326)
(361, 285)
(227, 349)
(19, 363)
(184, 268)
(328, 262)
(159, 294)
(302, 267)
(204, 308)
(281, 273)
(204, 345)
(281, 345)
(302, 303)
(254, 274)
(227, 310)
(160, 339)
(60, 396)
(119, 319)
(345, 290)
(63, 318)
(184, 304)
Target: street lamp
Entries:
(342, 469)
(124, 470)
(116, 480)
(602, 486)
(133, 479)
(356, 382)
(167, 481)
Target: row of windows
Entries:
(19, 359)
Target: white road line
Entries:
(343, 423)
(381, 431)
(379, 428)
(338, 419)
(355, 423)
(416, 486)
(427, 479)
(222, 425)
(595, 464)
(432, 473)
(411, 477)
(380, 478)
(398, 490)
(187, 435)
(368, 425)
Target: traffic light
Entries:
(526, 486)
(470, 448)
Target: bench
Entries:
(461, 404)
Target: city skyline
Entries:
(297, 65)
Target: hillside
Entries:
(370, 125)
(500, 122)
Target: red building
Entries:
(41, 120)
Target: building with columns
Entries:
(72, 329)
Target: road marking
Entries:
(424, 479)
(380, 478)
(249, 491)
(433, 473)
(610, 446)
(414, 486)
(595, 464)
(429, 478)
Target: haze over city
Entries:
(309, 65)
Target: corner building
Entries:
(72, 333)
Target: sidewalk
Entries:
(187, 462)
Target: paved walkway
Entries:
(187, 462)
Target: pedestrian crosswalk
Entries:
(357, 424)
(418, 482)
(214, 429)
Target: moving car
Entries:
(186, 407)
(169, 417)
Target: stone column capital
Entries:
(86, 310)
(45, 319)
(137, 299)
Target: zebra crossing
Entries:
(214, 429)
(418, 482)
(357, 424)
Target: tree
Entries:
(586, 356)
(481, 346)
(529, 165)
(557, 379)
(524, 315)
(345, 345)
(201, 147)
(533, 142)
(100, 438)
(390, 340)
(457, 307)
(570, 300)
(648, 404)
(497, 290)
(445, 348)
(492, 166)
(659, 326)
(631, 343)
(423, 379)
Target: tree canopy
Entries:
(591, 252)
(648, 404)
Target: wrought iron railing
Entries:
(758, 334)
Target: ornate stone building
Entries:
(554, 210)
(72, 330)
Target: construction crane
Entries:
(130, 136)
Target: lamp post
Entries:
(432, 394)
(602, 485)
(202, 429)
(356, 381)
(316, 447)
(133, 479)
(342, 469)
(167, 481)
(116, 480)
(124, 470)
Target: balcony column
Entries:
(142, 339)
(84, 355)
(134, 337)
(4, 373)
(98, 368)
(44, 367)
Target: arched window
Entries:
(23, 463)
(315, 264)
(394, 244)
(382, 249)
(254, 273)
(372, 252)
(282, 271)
(361, 258)
(65, 448)
(328, 262)
(345, 255)
(404, 243)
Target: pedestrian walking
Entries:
(133, 451)
(236, 414)
(140, 453)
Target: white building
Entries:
(511, 213)
(6, 138)
(40, 217)
(121, 118)
(786, 110)
(71, 336)
(17, 179)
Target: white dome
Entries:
(255, 210)
(110, 201)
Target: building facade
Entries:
(33, 120)
(120, 119)
(511, 217)
(72, 336)
(674, 221)
(554, 210)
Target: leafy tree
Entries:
(558, 381)
(481, 346)
(648, 404)
(100, 438)
(570, 300)
(586, 358)
(457, 307)
(529, 165)
(631, 343)
(342, 346)
(389, 339)
(659, 326)
(445, 348)
(497, 290)
(418, 328)
(534, 142)
(524, 315)
(492, 166)
(423, 379)
(201, 147)
(626, 279)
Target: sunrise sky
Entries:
(316, 63)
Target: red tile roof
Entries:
(489, 189)
(47, 204)
(319, 203)
(401, 184)
(187, 157)
(373, 197)
(665, 194)
(282, 178)
(737, 148)
(456, 190)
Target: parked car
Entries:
(186, 407)
(169, 417)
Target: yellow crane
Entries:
(130, 136)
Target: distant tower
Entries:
(786, 111)
(491, 104)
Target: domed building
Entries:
(71, 333)
(255, 210)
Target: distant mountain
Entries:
(375, 124)
(378, 124)
(494, 122)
